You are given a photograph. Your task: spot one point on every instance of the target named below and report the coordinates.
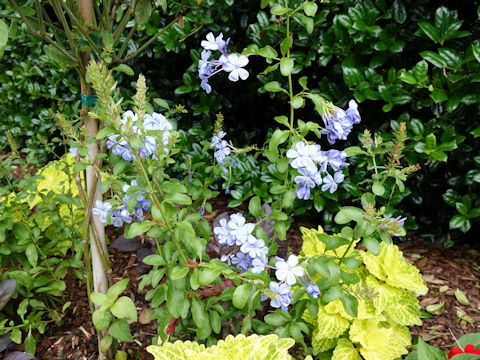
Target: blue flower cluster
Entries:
(249, 253)
(307, 159)
(223, 149)
(119, 144)
(339, 122)
(231, 63)
(121, 214)
(288, 273)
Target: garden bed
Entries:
(456, 268)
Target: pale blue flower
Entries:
(331, 183)
(217, 140)
(73, 151)
(101, 210)
(254, 248)
(214, 43)
(308, 179)
(305, 156)
(234, 64)
(283, 296)
(224, 233)
(287, 271)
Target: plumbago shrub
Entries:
(206, 284)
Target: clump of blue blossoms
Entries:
(338, 122)
(231, 63)
(119, 144)
(288, 273)
(121, 214)
(313, 164)
(248, 253)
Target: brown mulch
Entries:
(444, 270)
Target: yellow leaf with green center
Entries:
(253, 347)
(345, 351)
(330, 325)
(321, 344)
(379, 340)
(391, 267)
(405, 310)
(313, 246)
(382, 295)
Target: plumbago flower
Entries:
(306, 160)
(223, 150)
(313, 164)
(231, 63)
(339, 123)
(121, 214)
(246, 252)
(249, 253)
(288, 273)
(119, 144)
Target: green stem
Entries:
(155, 201)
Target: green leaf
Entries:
(124, 308)
(101, 319)
(198, 313)
(32, 254)
(286, 66)
(351, 74)
(273, 86)
(240, 296)
(120, 330)
(143, 11)
(310, 8)
(215, 321)
(178, 198)
(278, 137)
(278, 9)
(350, 304)
(3, 36)
(332, 242)
(276, 319)
(431, 31)
(137, 229)
(255, 207)
(286, 44)
(434, 58)
(372, 245)
(29, 343)
(457, 221)
(162, 103)
(16, 336)
(347, 214)
(179, 272)
(333, 293)
(116, 289)
(297, 102)
(268, 52)
(124, 68)
(378, 189)
(399, 11)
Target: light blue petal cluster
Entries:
(233, 64)
(121, 215)
(288, 272)
(311, 162)
(156, 121)
(339, 123)
(249, 253)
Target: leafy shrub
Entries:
(39, 245)
(386, 302)
(253, 347)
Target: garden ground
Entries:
(444, 270)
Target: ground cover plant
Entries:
(229, 282)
